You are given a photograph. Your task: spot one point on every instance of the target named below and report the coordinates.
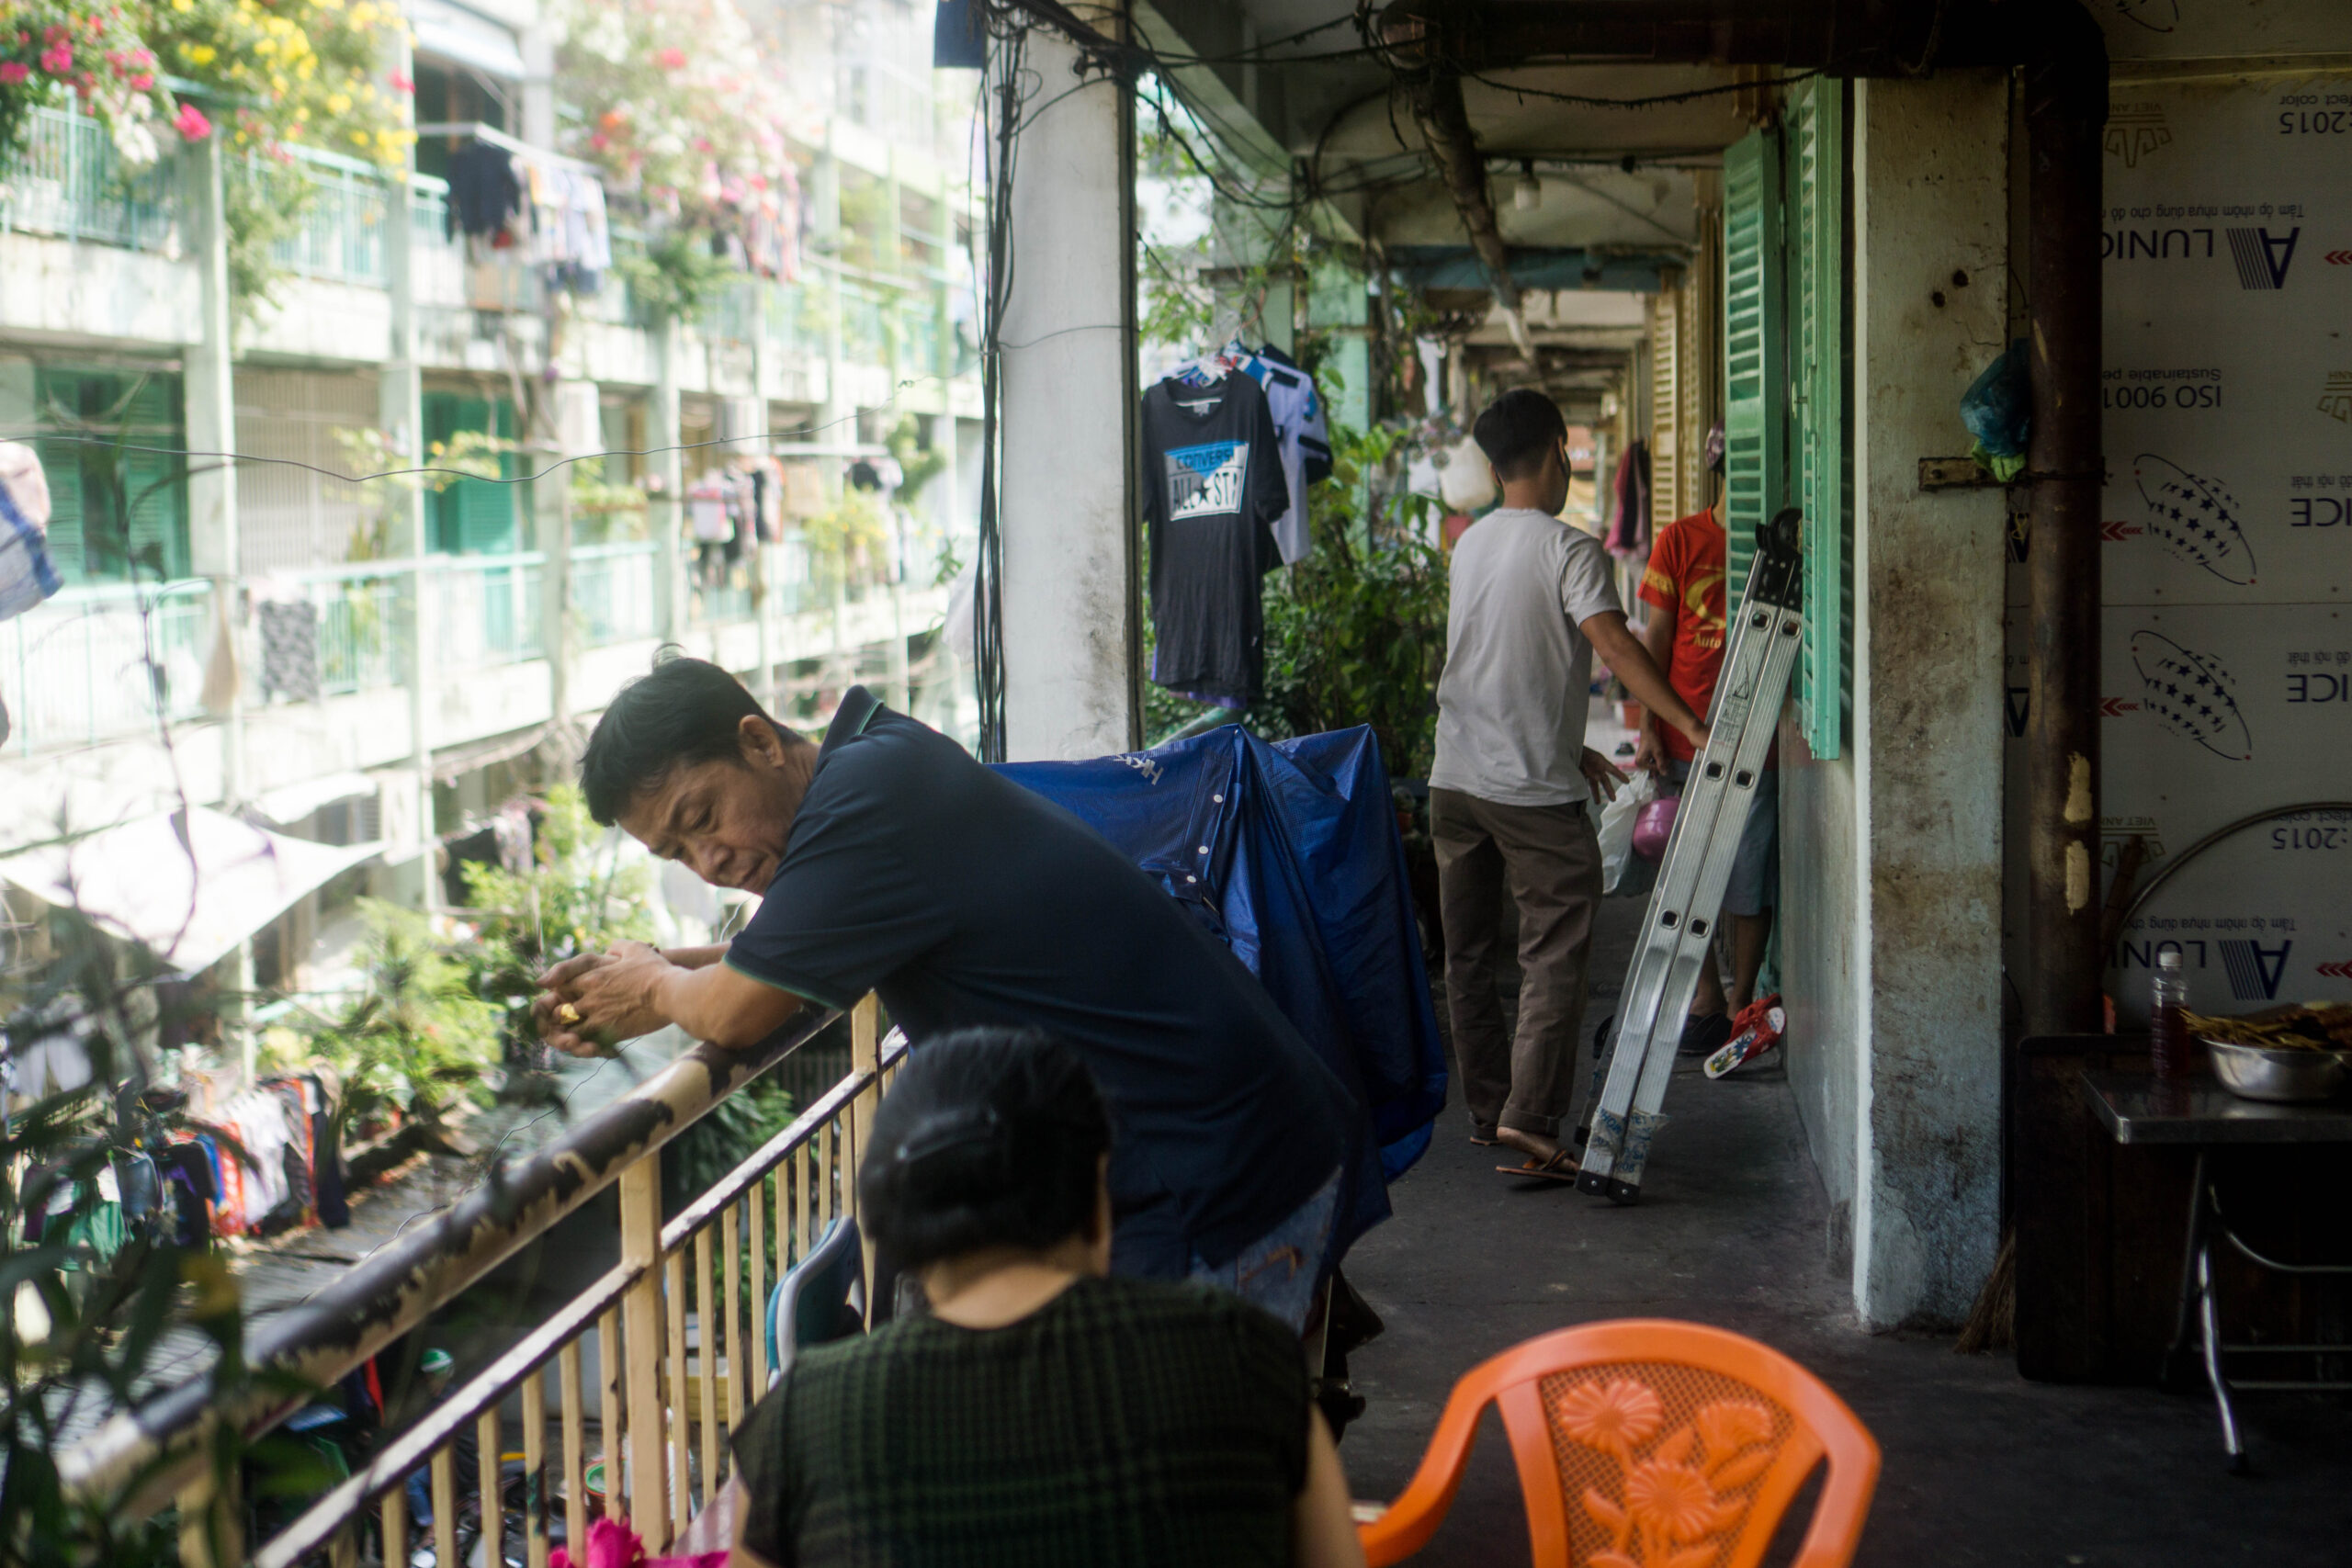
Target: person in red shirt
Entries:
(1685, 588)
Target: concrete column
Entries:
(208, 412)
(663, 516)
(825, 219)
(400, 405)
(1930, 200)
(544, 446)
(1069, 400)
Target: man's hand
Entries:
(1601, 773)
(593, 1002)
(1650, 752)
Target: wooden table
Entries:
(2200, 1115)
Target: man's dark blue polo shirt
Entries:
(965, 899)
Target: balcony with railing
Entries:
(340, 227)
(69, 181)
(97, 663)
(677, 1328)
(615, 592)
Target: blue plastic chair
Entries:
(821, 1298)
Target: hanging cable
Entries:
(1007, 55)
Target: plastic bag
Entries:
(1617, 826)
(1467, 482)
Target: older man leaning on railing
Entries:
(658, 1383)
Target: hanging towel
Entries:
(26, 575)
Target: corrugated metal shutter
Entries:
(1755, 382)
(290, 515)
(1819, 374)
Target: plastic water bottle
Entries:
(2169, 1047)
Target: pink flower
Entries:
(670, 58)
(598, 142)
(191, 124)
(57, 59)
(143, 82)
(402, 83)
(12, 71)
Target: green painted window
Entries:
(1820, 402)
(473, 517)
(1755, 377)
(1788, 380)
(117, 514)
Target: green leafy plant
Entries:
(418, 1040)
(88, 1292)
(845, 535)
(918, 464)
(677, 277)
(368, 452)
(575, 899)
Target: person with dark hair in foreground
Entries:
(890, 861)
(1043, 1413)
(1531, 601)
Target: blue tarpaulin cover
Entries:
(1290, 852)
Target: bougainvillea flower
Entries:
(191, 124)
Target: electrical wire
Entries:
(1653, 100)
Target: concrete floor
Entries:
(1980, 1466)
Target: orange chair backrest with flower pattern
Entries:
(1650, 1444)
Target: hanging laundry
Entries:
(26, 575)
(485, 194)
(1213, 487)
(289, 649)
(570, 234)
(189, 1186)
(1305, 439)
(1629, 524)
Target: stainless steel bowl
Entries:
(2288, 1077)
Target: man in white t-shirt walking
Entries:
(1531, 601)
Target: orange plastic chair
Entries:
(1650, 1444)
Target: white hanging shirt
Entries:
(1300, 426)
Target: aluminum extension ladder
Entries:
(1708, 822)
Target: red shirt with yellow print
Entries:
(1686, 575)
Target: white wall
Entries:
(1891, 857)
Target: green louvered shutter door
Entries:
(1817, 382)
(472, 516)
(1755, 382)
(154, 484)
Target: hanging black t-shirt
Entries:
(965, 899)
(1213, 487)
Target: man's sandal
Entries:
(1561, 1167)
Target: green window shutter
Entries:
(1817, 382)
(471, 516)
(1755, 382)
(89, 484)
